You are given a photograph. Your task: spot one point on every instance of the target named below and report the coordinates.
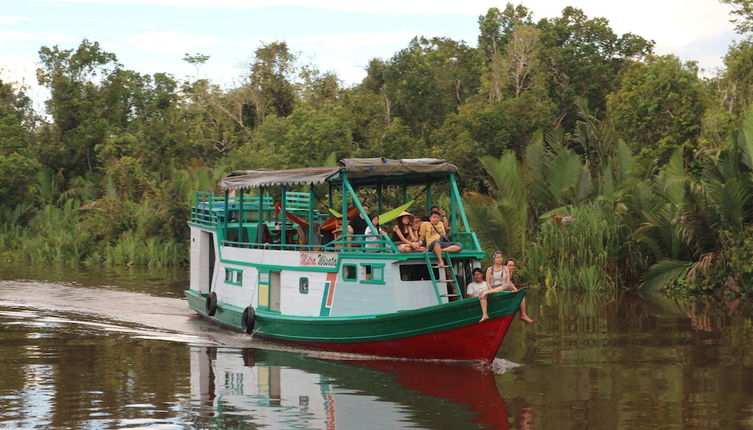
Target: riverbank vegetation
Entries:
(597, 163)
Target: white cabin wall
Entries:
(201, 243)
(292, 302)
(358, 298)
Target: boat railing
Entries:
(204, 217)
(467, 239)
(359, 242)
(273, 246)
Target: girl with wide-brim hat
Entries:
(403, 234)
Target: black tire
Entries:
(248, 320)
(211, 304)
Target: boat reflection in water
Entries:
(288, 390)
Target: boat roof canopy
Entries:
(360, 171)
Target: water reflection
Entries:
(113, 357)
(287, 390)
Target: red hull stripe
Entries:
(471, 342)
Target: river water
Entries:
(119, 349)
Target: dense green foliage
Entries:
(596, 163)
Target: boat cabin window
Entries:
(349, 272)
(303, 285)
(373, 273)
(233, 276)
(416, 272)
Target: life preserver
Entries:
(248, 319)
(211, 307)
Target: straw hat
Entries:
(404, 213)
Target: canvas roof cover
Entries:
(266, 178)
(362, 170)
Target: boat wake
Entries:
(146, 316)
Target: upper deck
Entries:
(300, 209)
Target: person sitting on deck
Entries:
(417, 221)
(478, 286)
(404, 236)
(374, 237)
(434, 235)
(499, 278)
(357, 224)
(442, 215)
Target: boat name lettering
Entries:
(319, 259)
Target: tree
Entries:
(496, 30)
(743, 9)
(659, 107)
(737, 78)
(17, 119)
(438, 73)
(272, 70)
(197, 60)
(496, 26)
(582, 58)
(76, 105)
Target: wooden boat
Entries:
(253, 268)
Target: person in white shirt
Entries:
(478, 286)
(374, 238)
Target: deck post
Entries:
(283, 216)
(344, 220)
(461, 209)
(429, 203)
(240, 216)
(405, 193)
(311, 217)
(260, 228)
(367, 218)
(331, 198)
(227, 212)
(453, 212)
(379, 198)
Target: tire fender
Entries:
(248, 320)
(211, 307)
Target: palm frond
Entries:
(664, 273)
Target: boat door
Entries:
(274, 291)
(203, 260)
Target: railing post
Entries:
(311, 217)
(240, 216)
(453, 212)
(260, 228)
(330, 197)
(344, 220)
(283, 216)
(227, 211)
(429, 203)
(379, 198)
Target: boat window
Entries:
(349, 272)
(303, 285)
(233, 276)
(373, 273)
(416, 272)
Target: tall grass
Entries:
(132, 250)
(53, 235)
(582, 253)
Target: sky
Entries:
(151, 36)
